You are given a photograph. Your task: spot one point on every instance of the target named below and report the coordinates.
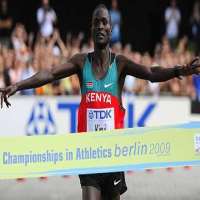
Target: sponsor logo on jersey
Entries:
(100, 119)
(100, 114)
(108, 85)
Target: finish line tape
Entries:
(110, 151)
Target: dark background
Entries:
(142, 20)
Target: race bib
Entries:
(100, 119)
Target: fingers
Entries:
(194, 60)
(5, 94)
(194, 63)
(4, 99)
(1, 100)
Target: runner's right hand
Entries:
(6, 93)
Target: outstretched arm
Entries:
(157, 74)
(43, 77)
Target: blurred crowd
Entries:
(22, 54)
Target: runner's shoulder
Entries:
(78, 59)
(121, 61)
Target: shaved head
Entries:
(100, 7)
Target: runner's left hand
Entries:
(188, 69)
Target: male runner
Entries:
(101, 75)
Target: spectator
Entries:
(8, 63)
(86, 48)
(2, 78)
(75, 48)
(117, 48)
(46, 18)
(172, 20)
(19, 40)
(6, 23)
(24, 60)
(195, 27)
(27, 72)
(116, 22)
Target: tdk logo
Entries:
(41, 120)
(100, 114)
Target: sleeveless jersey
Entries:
(100, 107)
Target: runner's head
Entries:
(101, 26)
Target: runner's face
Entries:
(101, 28)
